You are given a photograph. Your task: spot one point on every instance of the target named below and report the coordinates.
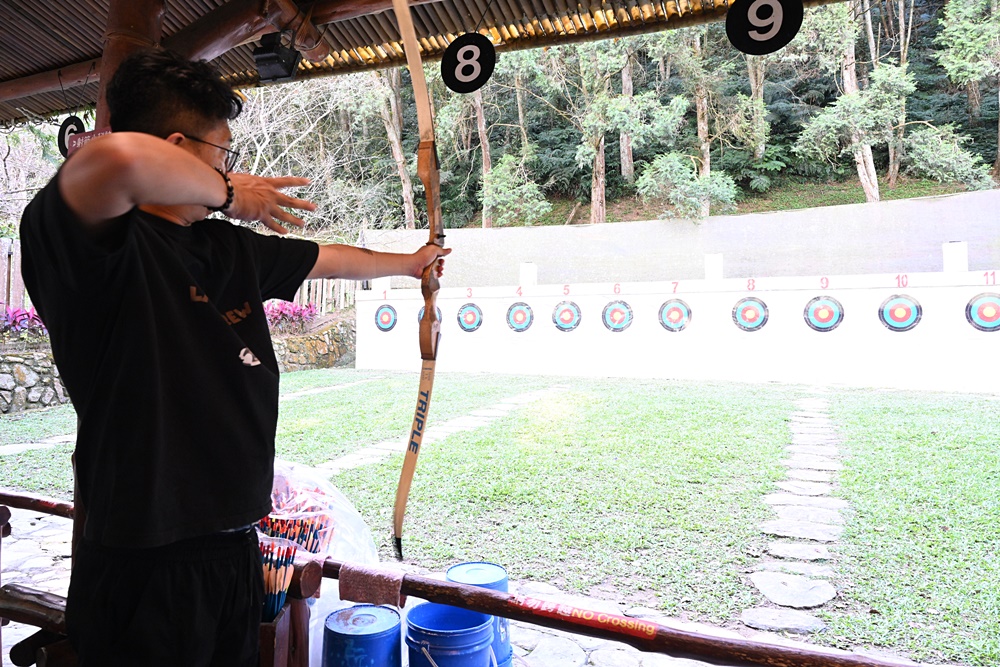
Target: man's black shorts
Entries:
(195, 603)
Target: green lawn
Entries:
(920, 560)
(786, 195)
(379, 406)
(650, 491)
(36, 425)
(789, 195)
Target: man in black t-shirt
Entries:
(158, 330)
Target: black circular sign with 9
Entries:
(468, 63)
(759, 27)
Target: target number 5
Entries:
(774, 20)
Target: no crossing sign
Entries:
(759, 27)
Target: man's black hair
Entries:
(159, 92)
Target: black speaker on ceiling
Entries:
(275, 61)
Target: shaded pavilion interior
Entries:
(54, 56)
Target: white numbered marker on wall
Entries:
(759, 27)
(468, 63)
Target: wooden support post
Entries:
(274, 640)
(4, 532)
(26, 651)
(298, 633)
(60, 654)
(132, 25)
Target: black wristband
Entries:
(229, 193)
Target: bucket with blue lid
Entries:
(439, 635)
(494, 577)
(364, 635)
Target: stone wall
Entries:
(29, 380)
(323, 349)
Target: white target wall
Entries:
(943, 351)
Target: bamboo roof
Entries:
(45, 38)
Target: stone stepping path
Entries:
(381, 451)
(810, 518)
(47, 443)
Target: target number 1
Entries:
(774, 20)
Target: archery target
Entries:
(520, 317)
(900, 312)
(750, 314)
(437, 310)
(983, 312)
(824, 313)
(470, 317)
(617, 316)
(675, 315)
(566, 316)
(385, 317)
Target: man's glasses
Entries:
(232, 156)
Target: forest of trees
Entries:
(871, 91)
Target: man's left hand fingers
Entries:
(292, 202)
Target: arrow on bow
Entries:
(430, 325)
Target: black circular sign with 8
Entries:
(468, 63)
(759, 27)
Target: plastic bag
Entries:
(308, 510)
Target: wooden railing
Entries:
(290, 630)
(327, 295)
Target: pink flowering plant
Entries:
(285, 317)
(18, 325)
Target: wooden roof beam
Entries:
(67, 77)
(216, 32)
(241, 21)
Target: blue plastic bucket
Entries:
(365, 635)
(452, 636)
(494, 577)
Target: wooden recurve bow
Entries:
(430, 325)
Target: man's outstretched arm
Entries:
(344, 261)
